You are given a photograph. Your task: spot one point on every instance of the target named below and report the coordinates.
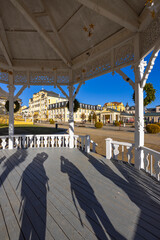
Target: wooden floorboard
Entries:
(66, 194)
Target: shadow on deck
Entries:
(66, 194)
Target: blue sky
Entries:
(106, 88)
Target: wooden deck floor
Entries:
(63, 194)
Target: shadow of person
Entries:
(2, 159)
(136, 189)
(26, 201)
(87, 200)
(13, 161)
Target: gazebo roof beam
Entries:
(4, 44)
(53, 25)
(32, 20)
(118, 11)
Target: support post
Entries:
(87, 144)
(108, 148)
(71, 117)
(139, 114)
(11, 111)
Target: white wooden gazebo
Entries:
(63, 43)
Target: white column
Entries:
(108, 148)
(139, 115)
(11, 112)
(71, 116)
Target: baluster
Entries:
(31, 141)
(151, 167)
(146, 161)
(52, 141)
(67, 141)
(157, 166)
(82, 142)
(129, 154)
(56, 141)
(59, 141)
(38, 141)
(23, 141)
(115, 151)
(45, 141)
(16, 141)
(3, 143)
(94, 147)
(34, 141)
(27, 141)
(63, 140)
(49, 141)
(75, 138)
(122, 153)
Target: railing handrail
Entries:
(150, 150)
(94, 142)
(41, 135)
(123, 143)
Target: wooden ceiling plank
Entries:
(33, 21)
(53, 25)
(124, 16)
(4, 44)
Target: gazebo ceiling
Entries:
(75, 39)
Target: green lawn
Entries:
(30, 130)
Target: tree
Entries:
(149, 93)
(83, 116)
(92, 116)
(76, 105)
(60, 117)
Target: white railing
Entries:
(119, 150)
(38, 141)
(48, 141)
(84, 143)
(151, 162)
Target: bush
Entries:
(158, 124)
(117, 124)
(153, 128)
(98, 124)
(121, 122)
(51, 121)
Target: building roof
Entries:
(127, 114)
(111, 110)
(116, 103)
(151, 109)
(150, 114)
(50, 94)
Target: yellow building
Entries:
(38, 104)
(59, 111)
(115, 105)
